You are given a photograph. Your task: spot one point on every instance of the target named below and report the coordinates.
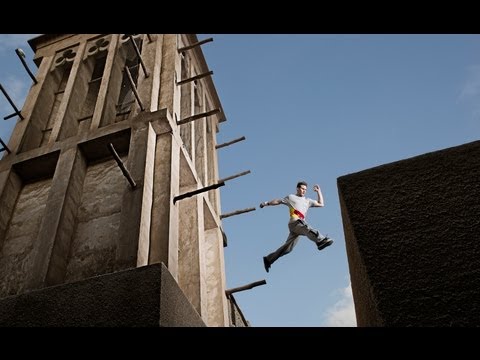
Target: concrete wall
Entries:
(17, 253)
(143, 297)
(236, 316)
(97, 222)
(189, 252)
(8, 199)
(412, 236)
(215, 280)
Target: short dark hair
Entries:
(300, 183)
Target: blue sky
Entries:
(313, 108)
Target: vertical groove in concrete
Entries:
(59, 124)
(10, 190)
(127, 247)
(162, 201)
(20, 250)
(16, 139)
(147, 200)
(57, 268)
(93, 245)
(188, 251)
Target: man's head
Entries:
(301, 188)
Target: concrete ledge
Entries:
(412, 236)
(142, 297)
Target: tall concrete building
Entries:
(412, 238)
(110, 201)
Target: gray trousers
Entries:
(297, 228)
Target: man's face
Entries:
(301, 190)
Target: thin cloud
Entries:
(470, 93)
(471, 87)
(342, 313)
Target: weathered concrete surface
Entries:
(217, 309)
(236, 316)
(189, 255)
(160, 229)
(17, 255)
(412, 235)
(167, 72)
(96, 230)
(12, 187)
(142, 297)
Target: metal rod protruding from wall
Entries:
(17, 112)
(198, 191)
(245, 287)
(188, 47)
(13, 115)
(134, 88)
(234, 176)
(197, 116)
(21, 55)
(5, 147)
(229, 143)
(122, 166)
(196, 77)
(139, 56)
(238, 212)
(224, 237)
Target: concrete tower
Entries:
(96, 190)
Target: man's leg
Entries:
(320, 240)
(284, 249)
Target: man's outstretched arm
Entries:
(319, 202)
(271, 203)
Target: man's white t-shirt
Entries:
(298, 206)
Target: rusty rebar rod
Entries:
(17, 112)
(134, 88)
(188, 47)
(198, 191)
(5, 147)
(234, 176)
(238, 212)
(229, 143)
(122, 166)
(21, 55)
(139, 56)
(245, 287)
(196, 77)
(197, 116)
(224, 237)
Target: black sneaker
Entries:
(324, 243)
(266, 263)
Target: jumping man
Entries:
(298, 205)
